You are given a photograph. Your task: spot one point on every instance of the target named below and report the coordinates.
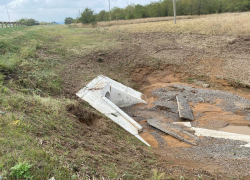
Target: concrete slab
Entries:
(185, 112)
(187, 124)
(107, 95)
(221, 135)
(175, 131)
(247, 145)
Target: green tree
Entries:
(87, 16)
(163, 8)
(68, 20)
(117, 13)
(102, 16)
(28, 22)
(140, 11)
(129, 12)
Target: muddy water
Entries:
(236, 129)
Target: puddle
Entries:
(236, 129)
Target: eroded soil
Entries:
(213, 109)
(170, 62)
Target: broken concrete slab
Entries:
(187, 124)
(246, 145)
(107, 95)
(175, 131)
(221, 135)
(185, 112)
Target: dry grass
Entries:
(232, 24)
(135, 21)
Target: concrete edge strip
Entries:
(218, 134)
(129, 119)
(84, 91)
(221, 134)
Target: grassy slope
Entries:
(35, 126)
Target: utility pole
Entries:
(109, 11)
(174, 11)
(8, 13)
(79, 14)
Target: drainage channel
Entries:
(172, 105)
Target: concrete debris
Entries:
(221, 135)
(107, 95)
(185, 112)
(187, 124)
(247, 145)
(206, 85)
(174, 130)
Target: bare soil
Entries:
(209, 114)
(151, 61)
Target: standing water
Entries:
(236, 129)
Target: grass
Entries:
(132, 21)
(36, 63)
(232, 24)
(35, 126)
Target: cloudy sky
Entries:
(56, 10)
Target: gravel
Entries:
(230, 102)
(226, 154)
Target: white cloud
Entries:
(56, 10)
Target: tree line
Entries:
(164, 8)
(33, 22)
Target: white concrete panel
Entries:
(220, 134)
(247, 145)
(105, 90)
(124, 88)
(187, 124)
(123, 99)
(89, 85)
(128, 118)
(139, 137)
(99, 85)
(121, 121)
(94, 93)
(98, 103)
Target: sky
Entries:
(56, 10)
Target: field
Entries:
(43, 123)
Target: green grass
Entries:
(35, 126)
